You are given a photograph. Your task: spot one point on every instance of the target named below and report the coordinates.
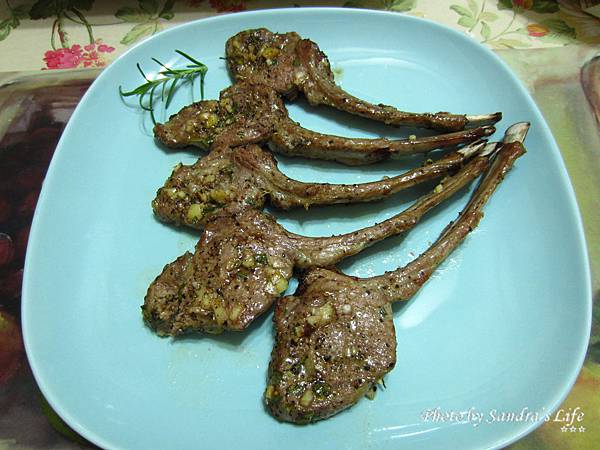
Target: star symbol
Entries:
(572, 429)
(581, 429)
(563, 429)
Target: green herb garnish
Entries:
(168, 80)
(261, 258)
(322, 389)
(242, 274)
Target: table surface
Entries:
(551, 46)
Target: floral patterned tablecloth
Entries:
(553, 47)
(51, 34)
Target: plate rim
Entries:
(579, 239)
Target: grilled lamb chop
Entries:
(244, 259)
(248, 175)
(335, 336)
(291, 65)
(249, 113)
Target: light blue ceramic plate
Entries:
(502, 326)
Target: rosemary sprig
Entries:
(168, 80)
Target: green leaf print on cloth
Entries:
(387, 5)
(513, 29)
(147, 17)
(14, 19)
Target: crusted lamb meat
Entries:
(251, 113)
(244, 259)
(249, 175)
(291, 65)
(335, 336)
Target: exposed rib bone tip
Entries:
(483, 119)
(472, 148)
(489, 129)
(516, 132)
(490, 148)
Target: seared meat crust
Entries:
(251, 113)
(290, 64)
(334, 342)
(335, 335)
(249, 176)
(244, 260)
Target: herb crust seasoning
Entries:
(249, 176)
(290, 64)
(244, 114)
(334, 343)
(253, 113)
(244, 259)
(335, 336)
(241, 264)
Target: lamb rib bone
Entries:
(291, 65)
(335, 336)
(249, 175)
(254, 113)
(244, 260)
